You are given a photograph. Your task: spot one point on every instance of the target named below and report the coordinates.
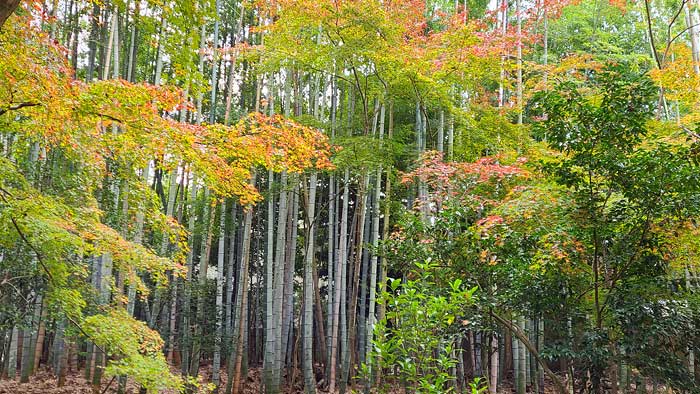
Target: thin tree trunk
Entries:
(63, 360)
(522, 337)
(209, 214)
(320, 329)
(39, 346)
(364, 277)
(269, 282)
(288, 291)
(381, 313)
(309, 380)
(493, 365)
(159, 53)
(200, 68)
(229, 275)
(520, 359)
(441, 132)
(215, 64)
(232, 69)
(110, 44)
(339, 308)
(216, 364)
(278, 296)
(691, 22)
(332, 277)
(26, 366)
(234, 383)
(132, 44)
(362, 209)
(519, 87)
(93, 40)
(12, 353)
(169, 211)
(104, 288)
(540, 346)
(375, 245)
(187, 299)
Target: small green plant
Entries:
(478, 385)
(415, 342)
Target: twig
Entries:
(108, 384)
(523, 338)
(651, 34)
(18, 106)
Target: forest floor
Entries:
(45, 382)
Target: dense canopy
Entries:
(414, 196)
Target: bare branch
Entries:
(18, 106)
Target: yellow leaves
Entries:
(273, 142)
(122, 122)
(485, 256)
(680, 82)
(683, 246)
(575, 66)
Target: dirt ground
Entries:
(45, 382)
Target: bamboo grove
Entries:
(350, 196)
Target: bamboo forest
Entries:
(349, 196)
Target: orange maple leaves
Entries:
(134, 124)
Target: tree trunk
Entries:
(215, 64)
(12, 353)
(228, 318)
(209, 214)
(234, 370)
(269, 282)
(7, 7)
(288, 291)
(493, 364)
(332, 225)
(41, 333)
(216, 364)
(352, 325)
(385, 231)
(187, 299)
(320, 329)
(278, 290)
(309, 380)
(330, 304)
(441, 132)
(132, 45)
(339, 307)
(691, 21)
(376, 216)
(519, 87)
(104, 289)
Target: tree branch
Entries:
(523, 338)
(40, 259)
(651, 34)
(7, 7)
(668, 46)
(18, 106)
